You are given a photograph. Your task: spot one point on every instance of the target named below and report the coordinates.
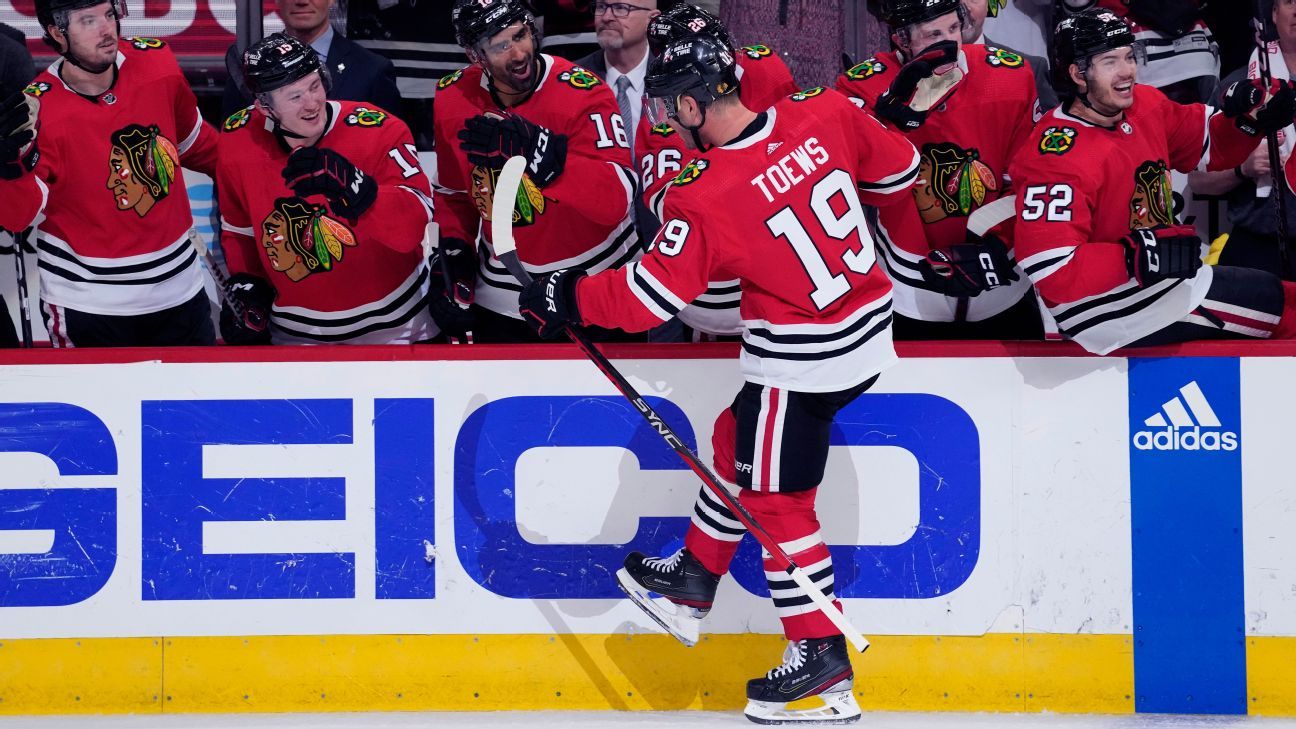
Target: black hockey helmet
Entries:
(900, 14)
(686, 21)
(702, 67)
(55, 13)
(1083, 36)
(475, 20)
(278, 60)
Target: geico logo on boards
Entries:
(1186, 423)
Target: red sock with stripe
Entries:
(715, 532)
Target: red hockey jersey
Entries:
(1081, 188)
(781, 211)
(966, 145)
(765, 80)
(361, 283)
(113, 239)
(583, 219)
(21, 201)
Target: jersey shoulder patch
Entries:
(691, 173)
(450, 78)
(363, 116)
(1057, 140)
(1001, 58)
(37, 88)
(578, 78)
(758, 51)
(237, 120)
(807, 94)
(146, 44)
(662, 130)
(865, 69)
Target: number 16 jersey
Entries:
(781, 210)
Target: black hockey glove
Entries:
(450, 294)
(548, 303)
(893, 105)
(968, 269)
(1156, 254)
(256, 295)
(490, 140)
(1257, 111)
(18, 153)
(316, 171)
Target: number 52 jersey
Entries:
(780, 210)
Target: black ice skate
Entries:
(815, 667)
(675, 591)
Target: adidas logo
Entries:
(769, 148)
(1186, 423)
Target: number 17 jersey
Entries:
(780, 210)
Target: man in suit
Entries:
(357, 73)
(622, 30)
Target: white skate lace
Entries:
(664, 564)
(794, 657)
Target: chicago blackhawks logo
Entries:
(952, 181)
(807, 94)
(1153, 201)
(300, 239)
(691, 172)
(865, 69)
(529, 206)
(579, 78)
(662, 130)
(146, 44)
(1057, 140)
(366, 117)
(449, 78)
(758, 51)
(1001, 57)
(237, 120)
(36, 89)
(142, 165)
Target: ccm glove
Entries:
(1156, 254)
(450, 295)
(548, 303)
(893, 105)
(490, 140)
(968, 269)
(316, 171)
(1257, 109)
(18, 153)
(255, 295)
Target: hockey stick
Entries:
(20, 269)
(222, 282)
(506, 189)
(1279, 191)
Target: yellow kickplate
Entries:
(1271, 676)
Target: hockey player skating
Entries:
(323, 211)
(967, 108)
(1096, 230)
(565, 121)
(117, 122)
(774, 201)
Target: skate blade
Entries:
(678, 620)
(838, 707)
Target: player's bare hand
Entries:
(1257, 165)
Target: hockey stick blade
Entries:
(506, 189)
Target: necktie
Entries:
(623, 101)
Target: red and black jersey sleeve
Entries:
(456, 214)
(21, 202)
(399, 216)
(237, 236)
(887, 163)
(765, 78)
(1199, 137)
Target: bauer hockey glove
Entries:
(18, 153)
(548, 303)
(490, 140)
(893, 105)
(316, 171)
(968, 269)
(256, 296)
(450, 294)
(1156, 254)
(1257, 110)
